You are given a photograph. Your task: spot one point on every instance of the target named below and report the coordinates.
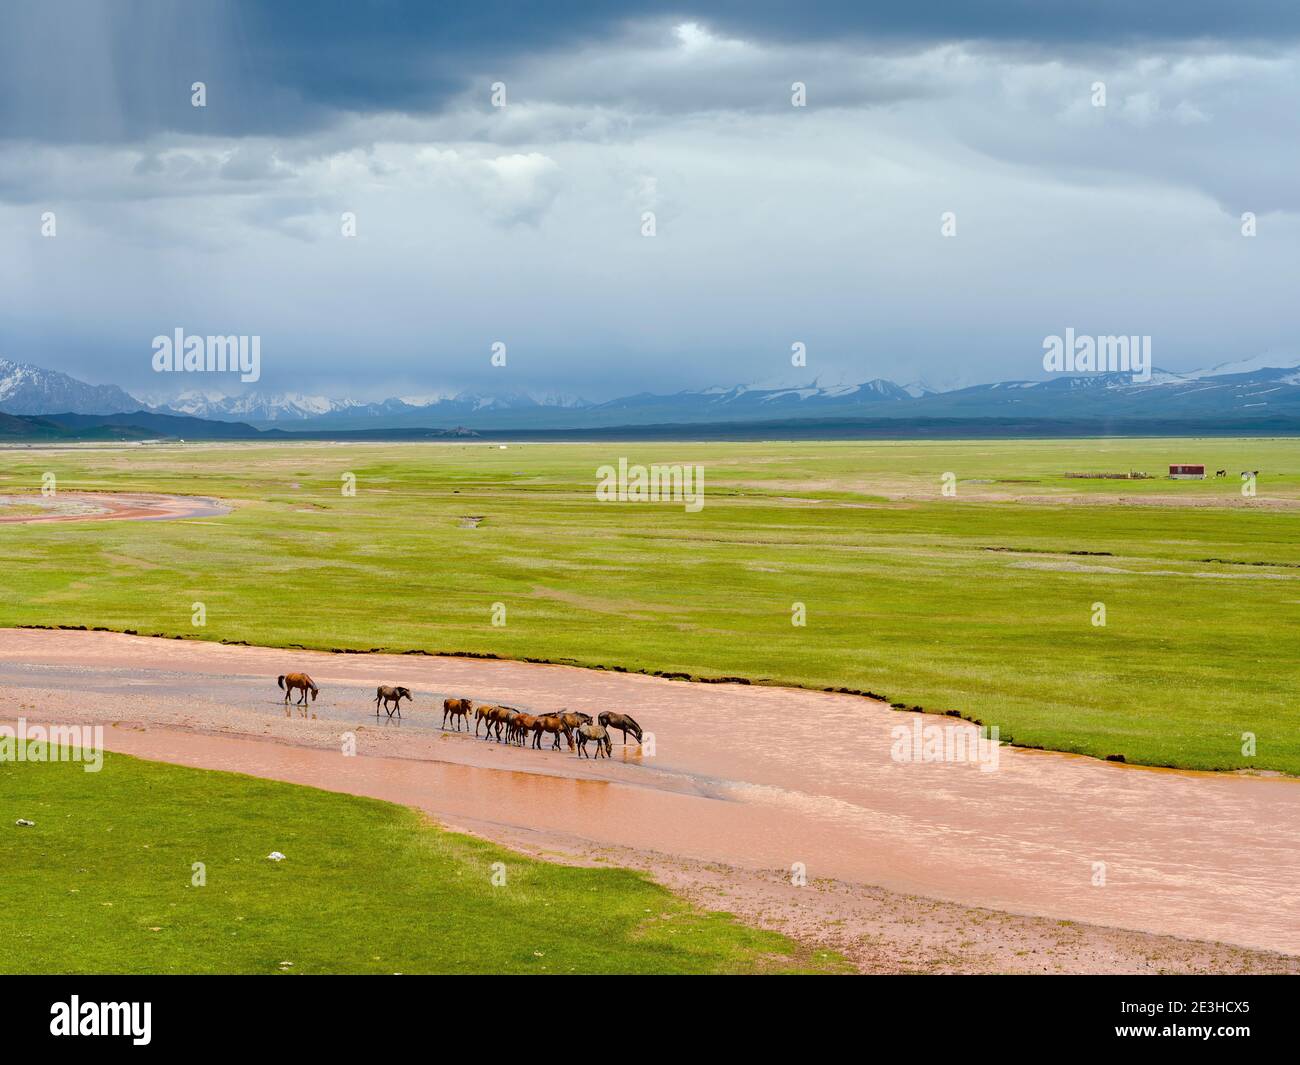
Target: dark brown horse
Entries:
(458, 709)
(293, 681)
(623, 722)
(599, 734)
(388, 693)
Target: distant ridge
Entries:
(1249, 392)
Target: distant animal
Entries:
(1220, 473)
(458, 709)
(293, 681)
(599, 734)
(481, 714)
(623, 722)
(387, 693)
(552, 724)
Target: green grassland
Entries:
(979, 603)
(104, 881)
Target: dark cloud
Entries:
(118, 70)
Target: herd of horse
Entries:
(505, 724)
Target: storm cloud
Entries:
(524, 224)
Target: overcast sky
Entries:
(523, 224)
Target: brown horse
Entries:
(623, 722)
(458, 709)
(519, 727)
(494, 717)
(553, 724)
(292, 681)
(387, 693)
(507, 722)
(573, 718)
(594, 732)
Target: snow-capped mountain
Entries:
(28, 389)
(250, 406)
(262, 407)
(1261, 386)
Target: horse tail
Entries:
(280, 680)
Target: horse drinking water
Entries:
(291, 682)
(625, 723)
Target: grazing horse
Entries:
(387, 693)
(552, 724)
(1220, 473)
(594, 732)
(459, 711)
(292, 681)
(623, 722)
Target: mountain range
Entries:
(1261, 389)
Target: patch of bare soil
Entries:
(106, 506)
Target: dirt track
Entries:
(723, 812)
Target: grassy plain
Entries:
(105, 880)
(981, 603)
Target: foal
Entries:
(387, 693)
(458, 709)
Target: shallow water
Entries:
(752, 776)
